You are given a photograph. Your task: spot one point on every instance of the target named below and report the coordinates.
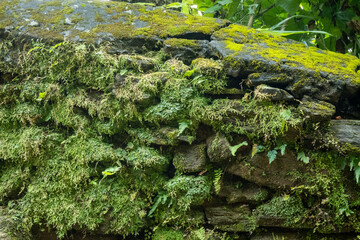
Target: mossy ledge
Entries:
(110, 129)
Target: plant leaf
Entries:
(302, 157)
(272, 155)
(233, 149)
(282, 149)
(183, 125)
(110, 171)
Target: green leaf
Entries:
(287, 33)
(272, 155)
(189, 73)
(282, 149)
(110, 171)
(233, 149)
(302, 157)
(183, 125)
(174, 5)
(213, 9)
(357, 173)
(286, 114)
(224, 2)
(290, 6)
(42, 95)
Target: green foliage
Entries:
(233, 149)
(217, 180)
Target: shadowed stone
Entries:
(190, 159)
(346, 131)
(274, 175)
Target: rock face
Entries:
(122, 120)
(190, 159)
(275, 175)
(346, 131)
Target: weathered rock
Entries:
(310, 71)
(128, 26)
(316, 110)
(190, 159)
(229, 217)
(271, 79)
(273, 94)
(187, 50)
(275, 175)
(218, 148)
(346, 131)
(238, 192)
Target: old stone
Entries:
(273, 94)
(230, 217)
(218, 148)
(186, 49)
(191, 158)
(346, 131)
(275, 175)
(316, 110)
(238, 192)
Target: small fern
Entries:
(217, 178)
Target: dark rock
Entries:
(190, 159)
(218, 148)
(187, 50)
(238, 192)
(271, 79)
(346, 131)
(229, 217)
(273, 94)
(275, 175)
(316, 110)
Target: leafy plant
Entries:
(217, 180)
(233, 149)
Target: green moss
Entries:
(290, 209)
(178, 42)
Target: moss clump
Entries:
(291, 210)
(208, 67)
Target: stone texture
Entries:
(218, 148)
(238, 192)
(273, 94)
(316, 110)
(191, 158)
(128, 26)
(281, 62)
(229, 217)
(275, 175)
(346, 131)
(187, 50)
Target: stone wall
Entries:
(124, 120)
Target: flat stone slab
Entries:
(97, 21)
(346, 131)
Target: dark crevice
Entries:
(194, 36)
